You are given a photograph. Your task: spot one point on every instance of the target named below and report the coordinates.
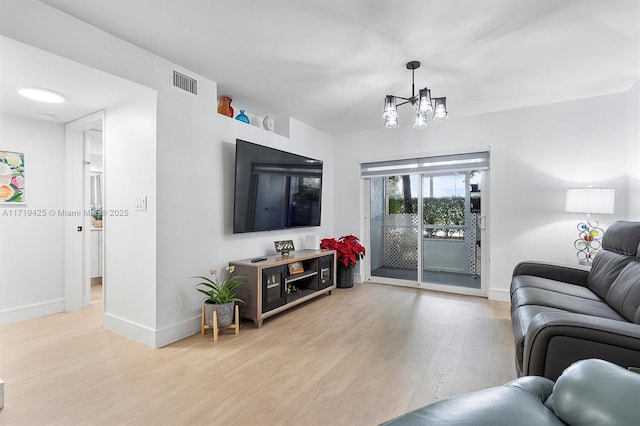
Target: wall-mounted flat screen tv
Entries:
(275, 189)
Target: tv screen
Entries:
(275, 189)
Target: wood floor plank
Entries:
(358, 356)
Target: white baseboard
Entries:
(499, 294)
(129, 329)
(151, 337)
(22, 313)
(179, 330)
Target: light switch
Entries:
(141, 203)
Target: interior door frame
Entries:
(77, 280)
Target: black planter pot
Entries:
(345, 276)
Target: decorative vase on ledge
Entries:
(242, 117)
(224, 106)
(268, 122)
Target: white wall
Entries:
(195, 203)
(130, 235)
(634, 153)
(31, 235)
(536, 153)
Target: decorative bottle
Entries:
(224, 106)
(242, 117)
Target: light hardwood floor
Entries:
(357, 357)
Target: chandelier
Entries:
(423, 102)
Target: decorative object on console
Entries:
(589, 200)
(268, 122)
(423, 102)
(221, 296)
(348, 252)
(312, 242)
(224, 106)
(284, 247)
(12, 186)
(295, 268)
(242, 117)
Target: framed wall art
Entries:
(12, 171)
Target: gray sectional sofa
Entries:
(561, 314)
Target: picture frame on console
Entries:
(296, 268)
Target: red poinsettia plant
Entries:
(348, 248)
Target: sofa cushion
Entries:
(622, 237)
(521, 281)
(565, 302)
(624, 294)
(620, 246)
(606, 267)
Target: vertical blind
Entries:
(438, 164)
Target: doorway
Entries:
(426, 229)
(84, 241)
(94, 145)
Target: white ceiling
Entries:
(86, 89)
(330, 63)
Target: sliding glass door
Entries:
(451, 234)
(425, 228)
(394, 227)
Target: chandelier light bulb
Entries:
(420, 121)
(424, 101)
(390, 109)
(391, 122)
(440, 111)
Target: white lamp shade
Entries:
(590, 200)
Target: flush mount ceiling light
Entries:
(423, 102)
(41, 95)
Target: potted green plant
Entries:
(348, 252)
(221, 296)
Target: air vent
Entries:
(184, 82)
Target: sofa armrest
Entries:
(594, 391)
(571, 274)
(520, 401)
(555, 340)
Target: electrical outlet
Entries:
(141, 203)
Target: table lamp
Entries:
(589, 201)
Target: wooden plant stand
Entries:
(216, 330)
